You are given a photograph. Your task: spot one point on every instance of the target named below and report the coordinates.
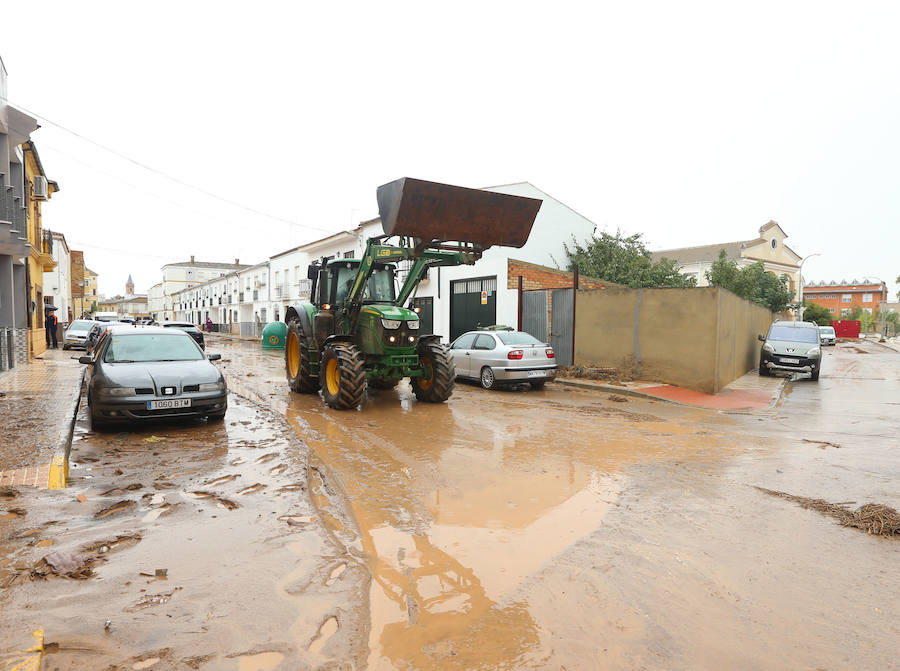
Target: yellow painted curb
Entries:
(59, 471)
(30, 658)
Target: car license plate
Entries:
(168, 404)
(537, 373)
(785, 359)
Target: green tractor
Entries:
(357, 331)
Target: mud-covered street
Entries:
(557, 529)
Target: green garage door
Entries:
(473, 303)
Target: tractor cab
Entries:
(333, 281)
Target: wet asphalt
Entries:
(502, 530)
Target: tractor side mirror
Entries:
(312, 271)
(322, 287)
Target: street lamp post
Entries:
(800, 272)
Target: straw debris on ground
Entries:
(873, 518)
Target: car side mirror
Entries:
(761, 337)
(86, 359)
(213, 357)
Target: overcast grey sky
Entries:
(691, 123)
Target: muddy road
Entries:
(554, 529)
(180, 546)
(562, 529)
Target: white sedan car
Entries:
(498, 357)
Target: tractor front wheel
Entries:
(438, 375)
(343, 376)
(296, 361)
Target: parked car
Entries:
(499, 357)
(792, 347)
(106, 317)
(77, 332)
(827, 335)
(96, 332)
(190, 329)
(148, 372)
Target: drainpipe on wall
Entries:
(519, 328)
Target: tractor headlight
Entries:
(412, 324)
(391, 323)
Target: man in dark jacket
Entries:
(50, 323)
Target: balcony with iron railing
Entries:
(279, 290)
(45, 251)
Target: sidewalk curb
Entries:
(59, 464)
(609, 388)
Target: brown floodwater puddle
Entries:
(460, 505)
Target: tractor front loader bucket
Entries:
(432, 211)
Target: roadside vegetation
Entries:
(624, 260)
(752, 282)
(813, 312)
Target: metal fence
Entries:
(535, 315)
(562, 318)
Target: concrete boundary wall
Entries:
(699, 338)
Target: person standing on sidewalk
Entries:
(50, 322)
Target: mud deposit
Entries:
(563, 529)
(176, 547)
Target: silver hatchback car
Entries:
(498, 357)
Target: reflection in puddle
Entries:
(264, 661)
(455, 526)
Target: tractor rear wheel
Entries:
(439, 375)
(296, 361)
(343, 376)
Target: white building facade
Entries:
(184, 275)
(58, 282)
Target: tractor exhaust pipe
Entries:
(431, 211)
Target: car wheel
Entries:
(65, 347)
(216, 416)
(815, 376)
(539, 384)
(763, 371)
(488, 381)
(97, 422)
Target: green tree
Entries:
(813, 312)
(624, 260)
(752, 282)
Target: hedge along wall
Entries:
(699, 338)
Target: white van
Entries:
(106, 317)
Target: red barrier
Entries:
(846, 328)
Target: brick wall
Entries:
(535, 276)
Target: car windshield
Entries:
(517, 338)
(379, 288)
(80, 326)
(793, 334)
(151, 347)
(183, 327)
(826, 330)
